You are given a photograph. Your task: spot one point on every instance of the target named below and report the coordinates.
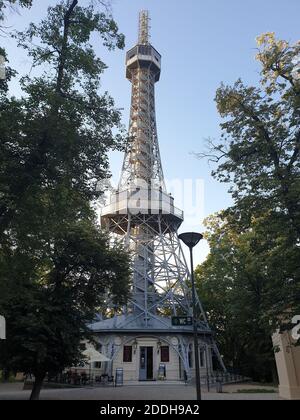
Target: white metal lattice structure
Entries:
(142, 215)
(142, 160)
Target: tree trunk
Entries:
(275, 378)
(6, 375)
(37, 386)
(64, 48)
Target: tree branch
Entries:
(296, 152)
(67, 23)
(215, 158)
(265, 133)
(285, 77)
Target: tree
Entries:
(259, 154)
(4, 4)
(56, 266)
(234, 287)
(49, 304)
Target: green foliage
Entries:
(256, 391)
(48, 302)
(9, 74)
(259, 154)
(236, 290)
(56, 266)
(261, 135)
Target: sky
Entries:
(202, 43)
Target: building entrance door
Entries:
(146, 363)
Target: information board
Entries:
(162, 372)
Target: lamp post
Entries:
(206, 362)
(2, 328)
(191, 239)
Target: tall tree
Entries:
(6, 4)
(49, 301)
(6, 74)
(56, 266)
(259, 153)
(234, 286)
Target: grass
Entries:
(256, 391)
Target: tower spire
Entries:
(142, 160)
(144, 28)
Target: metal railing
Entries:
(216, 380)
(81, 378)
(142, 201)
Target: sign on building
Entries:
(162, 372)
(182, 321)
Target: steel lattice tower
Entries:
(142, 215)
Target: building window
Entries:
(97, 365)
(127, 354)
(164, 354)
(144, 50)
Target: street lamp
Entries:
(2, 328)
(191, 239)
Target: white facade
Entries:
(152, 358)
(288, 365)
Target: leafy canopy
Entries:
(57, 268)
(259, 154)
(236, 289)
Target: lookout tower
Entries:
(142, 339)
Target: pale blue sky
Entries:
(202, 44)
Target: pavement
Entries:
(149, 392)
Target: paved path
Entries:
(133, 392)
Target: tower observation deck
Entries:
(143, 216)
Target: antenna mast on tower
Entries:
(144, 28)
